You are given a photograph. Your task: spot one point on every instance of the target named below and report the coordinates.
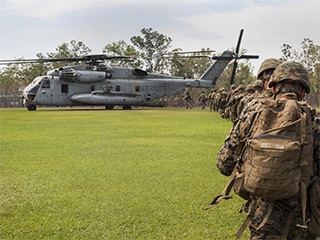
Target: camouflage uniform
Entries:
(222, 103)
(245, 99)
(264, 73)
(210, 99)
(188, 100)
(275, 223)
(203, 100)
(234, 102)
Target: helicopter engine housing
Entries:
(82, 76)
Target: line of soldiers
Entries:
(231, 103)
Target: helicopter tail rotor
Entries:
(237, 56)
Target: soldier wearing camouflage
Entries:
(289, 81)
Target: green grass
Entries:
(96, 174)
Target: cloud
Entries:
(57, 8)
(192, 24)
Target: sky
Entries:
(28, 27)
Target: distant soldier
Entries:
(265, 72)
(235, 100)
(223, 102)
(227, 107)
(189, 101)
(247, 97)
(210, 99)
(203, 100)
(258, 88)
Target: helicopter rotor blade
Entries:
(248, 57)
(188, 52)
(239, 42)
(233, 73)
(235, 64)
(89, 58)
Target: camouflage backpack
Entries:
(277, 157)
(275, 160)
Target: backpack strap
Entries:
(225, 193)
(281, 127)
(266, 217)
(251, 204)
(304, 206)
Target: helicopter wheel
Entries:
(109, 107)
(32, 107)
(127, 107)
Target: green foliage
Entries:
(191, 66)
(121, 48)
(152, 46)
(309, 56)
(95, 174)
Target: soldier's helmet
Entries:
(291, 71)
(258, 84)
(240, 87)
(250, 88)
(268, 64)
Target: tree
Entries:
(152, 46)
(309, 56)
(243, 75)
(121, 48)
(69, 50)
(190, 66)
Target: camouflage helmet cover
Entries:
(291, 71)
(258, 84)
(250, 87)
(241, 87)
(270, 63)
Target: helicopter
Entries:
(98, 84)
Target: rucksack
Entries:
(275, 158)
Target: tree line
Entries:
(153, 52)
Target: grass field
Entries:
(96, 174)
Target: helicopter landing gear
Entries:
(32, 107)
(127, 107)
(109, 107)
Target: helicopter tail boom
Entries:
(215, 70)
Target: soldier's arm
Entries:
(225, 160)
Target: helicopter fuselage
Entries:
(74, 86)
(109, 86)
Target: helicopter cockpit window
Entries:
(45, 83)
(117, 88)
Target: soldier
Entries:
(210, 99)
(188, 100)
(258, 88)
(222, 103)
(264, 73)
(246, 98)
(227, 107)
(203, 100)
(234, 102)
(273, 219)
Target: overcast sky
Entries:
(28, 27)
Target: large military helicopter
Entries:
(96, 83)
